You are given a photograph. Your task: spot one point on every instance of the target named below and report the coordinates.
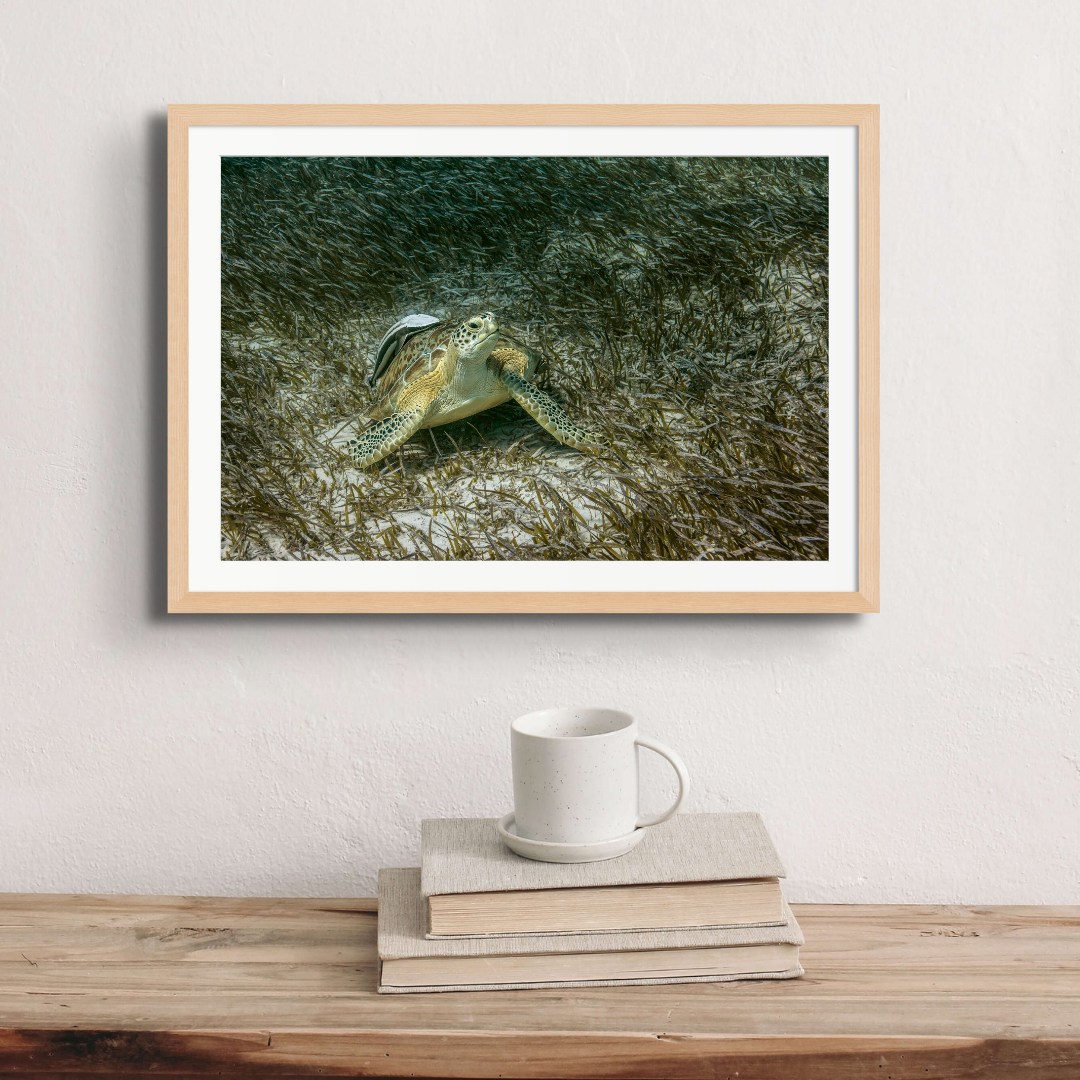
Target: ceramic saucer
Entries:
(546, 851)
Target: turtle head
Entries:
(475, 337)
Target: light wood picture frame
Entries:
(832, 569)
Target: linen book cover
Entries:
(401, 937)
(465, 855)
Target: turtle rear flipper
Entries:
(548, 413)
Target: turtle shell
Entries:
(422, 351)
(394, 338)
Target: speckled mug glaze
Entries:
(576, 775)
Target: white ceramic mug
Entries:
(576, 775)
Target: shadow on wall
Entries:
(157, 352)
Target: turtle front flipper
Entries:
(401, 425)
(548, 413)
(384, 437)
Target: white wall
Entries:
(927, 753)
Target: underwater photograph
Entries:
(524, 358)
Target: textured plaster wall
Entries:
(931, 752)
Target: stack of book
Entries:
(698, 900)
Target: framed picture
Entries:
(523, 358)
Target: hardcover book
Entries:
(412, 962)
(696, 870)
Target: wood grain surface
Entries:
(171, 986)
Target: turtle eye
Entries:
(475, 324)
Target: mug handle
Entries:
(680, 769)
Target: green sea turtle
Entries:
(429, 372)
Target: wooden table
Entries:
(166, 986)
